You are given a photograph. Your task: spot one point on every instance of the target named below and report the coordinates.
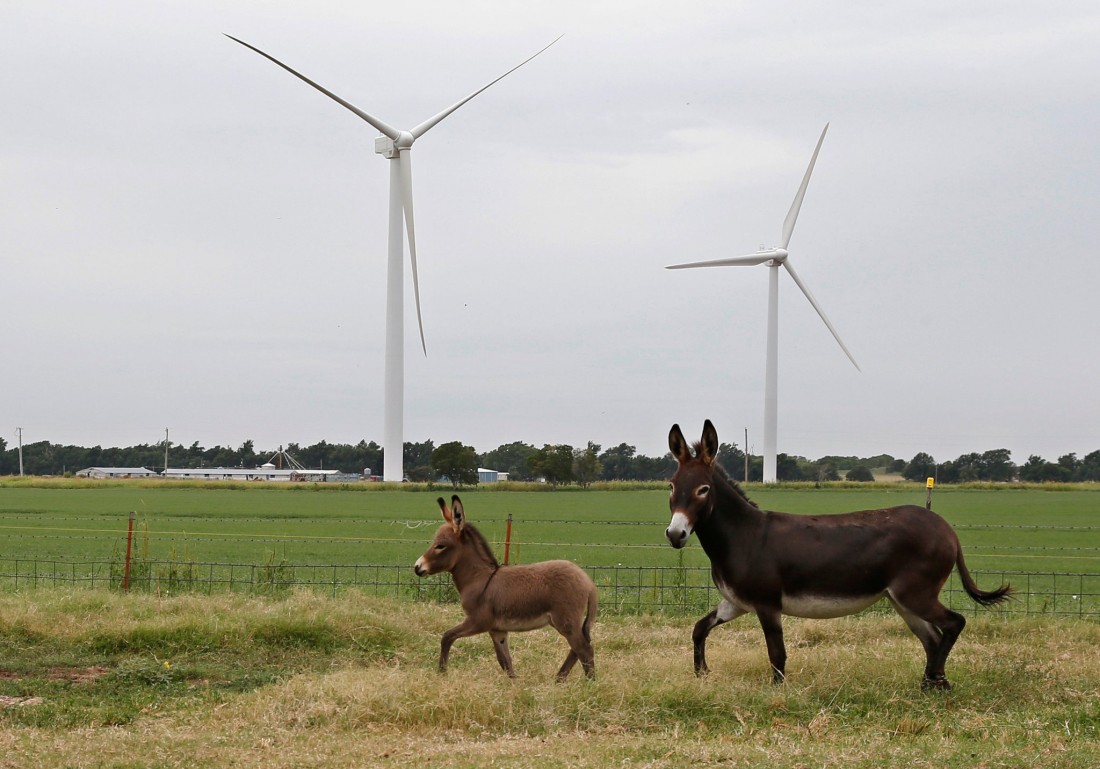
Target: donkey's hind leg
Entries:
(580, 648)
(938, 628)
(576, 634)
(950, 624)
(504, 654)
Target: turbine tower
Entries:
(774, 258)
(395, 145)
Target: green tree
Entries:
(1038, 470)
(586, 464)
(732, 460)
(826, 471)
(1090, 467)
(246, 455)
(787, 468)
(418, 460)
(456, 462)
(618, 463)
(553, 463)
(510, 458)
(655, 468)
(997, 465)
(861, 474)
(921, 467)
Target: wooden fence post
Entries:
(507, 539)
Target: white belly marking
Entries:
(826, 606)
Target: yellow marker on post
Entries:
(930, 483)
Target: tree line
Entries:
(552, 463)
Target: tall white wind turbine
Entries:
(774, 258)
(395, 145)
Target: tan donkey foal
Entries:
(500, 599)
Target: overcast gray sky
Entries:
(190, 238)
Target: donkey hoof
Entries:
(935, 685)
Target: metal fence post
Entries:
(129, 544)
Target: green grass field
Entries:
(1012, 529)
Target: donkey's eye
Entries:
(702, 491)
(440, 548)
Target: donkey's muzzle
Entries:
(419, 568)
(678, 531)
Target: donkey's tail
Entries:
(983, 597)
(586, 628)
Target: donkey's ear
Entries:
(447, 516)
(709, 442)
(677, 445)
(458, 513)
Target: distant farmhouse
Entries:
(117, 472)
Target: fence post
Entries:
(129, 543)
(507, 539)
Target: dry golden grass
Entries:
(1026, 693)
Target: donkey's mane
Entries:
(731, 485)
(477, 539)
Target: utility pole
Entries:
(746, 452)
(165, 452)
(20, 431)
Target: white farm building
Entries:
(267, 472)
(117, 472)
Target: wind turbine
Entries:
(774, 258)
(395, 145)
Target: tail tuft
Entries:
(979, 596)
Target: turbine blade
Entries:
(424, 127)
(382, 126)
(821, 312)
(740, 261)
(405, 159)
(792, 215)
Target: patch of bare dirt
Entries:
(78, 675)
(73, 675)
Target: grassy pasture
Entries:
(1012, 529)
(100, 680)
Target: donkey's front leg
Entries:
(771, 620)
(462, 630)
(722, 614)
(504, 654)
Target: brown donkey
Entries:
(502, 599)
(770, 564)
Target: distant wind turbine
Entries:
(395, 145)
(774, 257)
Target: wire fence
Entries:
(682, 590)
